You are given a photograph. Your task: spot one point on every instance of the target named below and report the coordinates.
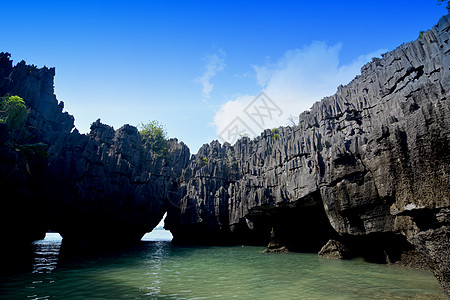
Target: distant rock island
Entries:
(365, 173)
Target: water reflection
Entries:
(46, 253)
(154, 260)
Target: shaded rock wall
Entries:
(110, 184)
(22, 214)
(103, 186)
(374, 158)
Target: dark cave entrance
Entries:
(302, 226)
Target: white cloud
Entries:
(228, 113)
(214, 63)
(297, 80)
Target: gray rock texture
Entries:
(334, 250)
(369, 165)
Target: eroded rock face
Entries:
(374, 158)
(116, 186)
(103, 186)
(23, 217)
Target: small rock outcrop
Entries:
(334, 250)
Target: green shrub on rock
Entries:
(154, 135)
(13, 112)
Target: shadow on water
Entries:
(51, 268)
(110, 251)
(16, 259)
(105, 254)
(43, 256)
(21, 258)
(159, 269)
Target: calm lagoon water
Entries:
(156, 269)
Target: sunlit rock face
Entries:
(373, 159)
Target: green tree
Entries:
(275, 134)
(13, 112)
(154, 135)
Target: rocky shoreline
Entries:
(366, 172)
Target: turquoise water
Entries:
(156, 269)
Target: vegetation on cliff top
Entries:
(13, 112)
(154, 135)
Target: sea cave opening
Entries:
(300, 226)
(159, 233)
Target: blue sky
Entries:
(196, 66)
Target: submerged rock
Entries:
(281, 249)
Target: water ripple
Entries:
(159, 270)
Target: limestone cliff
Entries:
(91, 187)
(369, 166)
(366, 171)
(22, 213)
(110, 184)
